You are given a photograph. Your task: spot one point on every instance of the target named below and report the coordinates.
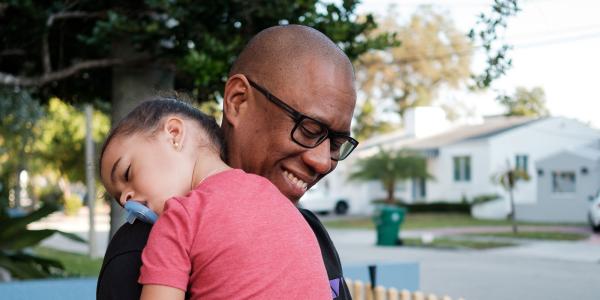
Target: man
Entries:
(287, 110)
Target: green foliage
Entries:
(487, 33)
(366, 123)
(431, 207)
(16, 240)
(72, 204)
(480, 199)
(508, 179)
(50, 194)
(524, 102)
(19, 113)
(43, 139)
(390, 167)
(198, 39)
(74, 264)
(61, 143)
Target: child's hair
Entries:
(146, 117)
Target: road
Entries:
(534, 270)
(538, 270)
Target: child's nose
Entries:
(125, 197)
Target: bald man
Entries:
(287, 110)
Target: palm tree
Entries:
(390, 167)
(508, 180)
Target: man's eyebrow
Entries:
(114, 168)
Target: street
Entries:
(534, 270)
(538, 270)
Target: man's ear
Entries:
(175, 129)
(235, 98)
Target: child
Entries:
(222, 233)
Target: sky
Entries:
(556, 46)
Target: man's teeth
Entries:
(298, 182)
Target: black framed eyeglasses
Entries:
(310, 133)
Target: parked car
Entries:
(319, 200)
(594, 213)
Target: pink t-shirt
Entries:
(235, 236)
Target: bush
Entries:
(431, 207)
(72, 204)
(484, 198)
(50, 194)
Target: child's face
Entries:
(146, 169)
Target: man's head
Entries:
(312, 76)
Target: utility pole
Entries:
(90, 177)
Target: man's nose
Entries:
(125, 197)
(319, 158)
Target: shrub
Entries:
(484, 198)
(50, 194)
(431, 207)
(72, 204)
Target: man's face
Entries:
(322, 91)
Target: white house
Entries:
(464, 158)
(567, 180)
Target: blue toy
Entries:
(136, 210)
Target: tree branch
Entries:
(9, 79)
(9, 52)
(73, 15)
(46, 63)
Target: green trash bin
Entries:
(387, 221)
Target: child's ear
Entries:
(175, 130)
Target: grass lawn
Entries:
(444, 243)
(536, 235)
(76, 265)
(425, 221)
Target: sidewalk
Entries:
(78, 224)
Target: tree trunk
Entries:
(130, 86)
(512, 211)
(391, 187)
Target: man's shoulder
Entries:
(331, 258)
(312, 220)
(129, 237)
(122, 261)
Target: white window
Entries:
(462, 168)
(521, 162)
(563, 182)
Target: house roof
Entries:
(490, 127)
(590, 151)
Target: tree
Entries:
(19, 112)
(433, 54)
(366, 122)
(508, 179)
(524, 102)
(486, 33)
(124, 51)
(61, 140)
(389, 167)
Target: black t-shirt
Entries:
(123, 259)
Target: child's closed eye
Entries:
(126, 176)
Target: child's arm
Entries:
(166, 264)
(159, 292)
